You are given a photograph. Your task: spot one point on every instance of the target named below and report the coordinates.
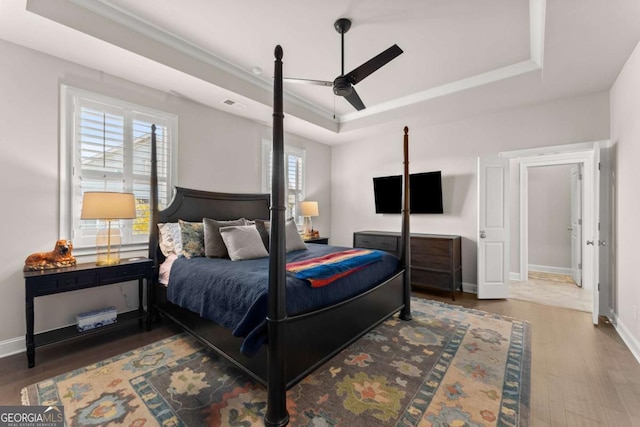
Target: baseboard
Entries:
(549, 269)
(12, 346)
(514, 276)
(471, 288)
(632, 343)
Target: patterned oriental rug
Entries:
(449, 366)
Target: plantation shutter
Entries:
(112, 152)
(294, 176)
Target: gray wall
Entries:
(549, 216)
(217, 151)
(454, 148)
(625, 138)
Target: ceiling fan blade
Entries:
(373, 64)
(308, 82)
(355, 100)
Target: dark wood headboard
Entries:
(194, 205)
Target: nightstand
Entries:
(81, 276)
(319, 240)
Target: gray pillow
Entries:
(293, 240)
(243, 242)
(264, 229)
(213, 245)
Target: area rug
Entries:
(449, 366)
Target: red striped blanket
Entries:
(328, 268)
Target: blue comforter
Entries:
(234, 293)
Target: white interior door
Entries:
(493, 227)
(576, 224)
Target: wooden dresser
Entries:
(436, 261)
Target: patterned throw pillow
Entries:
(192, 238)
(170, 238)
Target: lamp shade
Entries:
(108, 205)
(308, 208)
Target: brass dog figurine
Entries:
(60, 256)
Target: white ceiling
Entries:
(461, 57)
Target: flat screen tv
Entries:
(425, 193)
(387, 191)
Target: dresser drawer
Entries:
(53, 284)
(435, 262)
(121, 273)
(75, 281)
(431, 253)
(431, 279)
(385, 243)
(431, 246)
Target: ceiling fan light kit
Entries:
(343, 84)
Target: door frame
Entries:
(589, 219)
(591, 259)
(576, 233)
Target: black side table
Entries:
(319, 240)
(81, 276)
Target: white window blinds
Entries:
(109, 149)
(294, 171)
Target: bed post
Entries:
(277, 414)
(153, 228)
(405, 241)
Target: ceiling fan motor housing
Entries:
(342, 86)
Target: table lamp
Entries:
(308, 209)
(108, 206)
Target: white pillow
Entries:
(243, 242)
(170, 240)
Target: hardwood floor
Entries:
(581, 375)
(60, 358)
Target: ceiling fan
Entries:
(343, 84)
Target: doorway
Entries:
(554, 200)
(588, 161)
(491, 262)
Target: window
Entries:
(294, 176)
(106, 146)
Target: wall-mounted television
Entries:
(387, 191)
(425, 193)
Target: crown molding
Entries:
(110, 12)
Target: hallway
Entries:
(552, 289)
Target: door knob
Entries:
(483, 235)
(590, 242)
(570, 228)
(602, 243)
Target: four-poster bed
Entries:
(296, 344)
